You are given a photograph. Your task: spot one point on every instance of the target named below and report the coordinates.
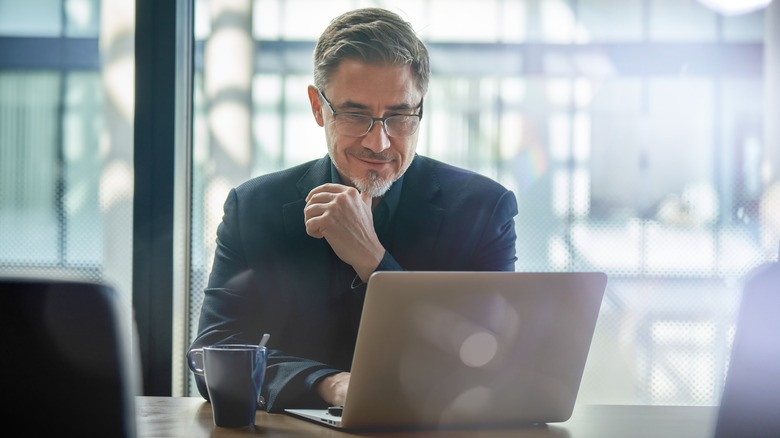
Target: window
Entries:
(66, 132)
(620, 145)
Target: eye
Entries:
(354, 117)
(403, 119)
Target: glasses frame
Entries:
(375, 119)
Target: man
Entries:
(295, 248)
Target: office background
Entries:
(636, 134)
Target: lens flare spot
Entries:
(478, 349)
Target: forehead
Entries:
(373, 85)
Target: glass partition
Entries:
(632, 141)
(66, 133)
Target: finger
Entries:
(325, 188)
(314, 228)
(321, 198)
(313, 210)
(367, 199)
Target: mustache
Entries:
(367, 154)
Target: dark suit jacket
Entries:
(269, 276)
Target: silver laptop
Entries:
(441, 350)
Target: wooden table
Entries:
(190, 417)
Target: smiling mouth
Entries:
(376, 159)
(381, 158)
(373, 161)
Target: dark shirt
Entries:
(346, 287)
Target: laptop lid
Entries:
(470, 349)
(750, 404)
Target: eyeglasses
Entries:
(358, 125)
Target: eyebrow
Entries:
(350, 105)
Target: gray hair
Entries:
(373, 36)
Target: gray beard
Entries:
(373, 185)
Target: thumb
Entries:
(366, 198)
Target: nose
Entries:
(376, 139)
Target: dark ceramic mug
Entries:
(234, 375)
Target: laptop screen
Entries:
(750, 404)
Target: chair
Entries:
(67, 359)
(750, 404)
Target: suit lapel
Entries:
(418, 217)
(313, 253)
(317, 174)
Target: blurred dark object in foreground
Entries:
(67, 364)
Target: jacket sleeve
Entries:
(236, 309)
(496, 250)
(237, 314)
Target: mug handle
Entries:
(195, 360)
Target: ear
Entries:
(316, 107)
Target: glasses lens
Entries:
(401, 125)
(354, 125)
(357, 125)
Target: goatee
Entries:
(373, 185)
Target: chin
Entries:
(373, 184)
